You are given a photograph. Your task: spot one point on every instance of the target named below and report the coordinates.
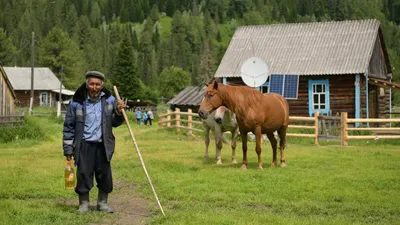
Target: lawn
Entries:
(326, 184)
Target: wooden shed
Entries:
(46, 86)
(330, 67)
(7, 95)
(188, 98)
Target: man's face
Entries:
(94, 87)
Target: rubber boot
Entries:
(83, 204)
(102, 202)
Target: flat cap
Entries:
(95, 74)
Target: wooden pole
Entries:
(316, 128)
(190, 121)
(343, 130)
(177, 119)
(138, 152)
(168, 118)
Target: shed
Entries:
(7, 95)
(189, 97)
(322, 66)
(46, 86)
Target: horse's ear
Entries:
(215, 83)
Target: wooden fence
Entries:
(320, 127)
(12, 120)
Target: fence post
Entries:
(160, 119)
(177, 118)
(343, 129)
(316, 128)
(169, 118)
(190, 121)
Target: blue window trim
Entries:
(46, 102)
(310, 96)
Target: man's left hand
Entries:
(120, 105)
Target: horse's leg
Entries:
(206, 141)
(244, 149)
(258, 146)
(273, 142)
(233, 145)
(218, 143)
(282, 145)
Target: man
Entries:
(88, 138)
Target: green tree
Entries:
(7, 49)
(57, 51)
(172, 80)
(125, 74)
(95, 15)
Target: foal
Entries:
(221, 120)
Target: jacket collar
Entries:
(81, 94)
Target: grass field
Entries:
(326, 184)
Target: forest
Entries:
(155, 48)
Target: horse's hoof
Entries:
(219, 162)
(243, 167)
(260, 168)
(273, 165)
(283, 165)
(234, 161)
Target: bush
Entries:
(29, 130)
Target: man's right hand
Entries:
(69, 157)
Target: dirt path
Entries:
(128, 206)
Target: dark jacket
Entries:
(75, 122)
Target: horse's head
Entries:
(219, 114)
(211, 101)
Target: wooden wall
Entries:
(7, 101)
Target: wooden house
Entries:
(330, 67)
(7, 95)
(46, 86)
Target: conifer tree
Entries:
(125, 74)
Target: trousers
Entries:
(93, 161)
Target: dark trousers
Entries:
(149, 121)
(93, 160)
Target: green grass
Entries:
(326, 184)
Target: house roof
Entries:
(190, 96)
(20, 78)
(343, 47)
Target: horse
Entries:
(221, 120)
(255, 112)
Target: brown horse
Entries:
(255, 112)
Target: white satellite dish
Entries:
(254, 72)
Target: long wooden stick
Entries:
(138, 152)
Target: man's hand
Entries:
(120, 105)
(69, 157)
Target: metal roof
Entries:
(192, 96)
(338, 47)
(20, 78)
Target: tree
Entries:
(57, 51)
(7, 49)
(172, 80)
(125, 74)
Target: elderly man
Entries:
(88, 138)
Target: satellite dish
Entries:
(254, 72)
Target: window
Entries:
(318, 96)
(43, 99)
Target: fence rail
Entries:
(322, 127)
(16, 119)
